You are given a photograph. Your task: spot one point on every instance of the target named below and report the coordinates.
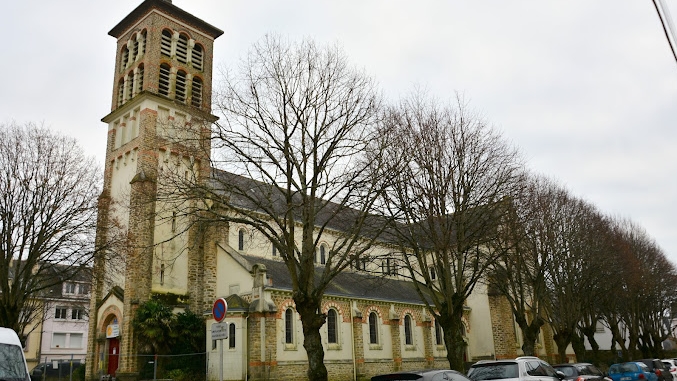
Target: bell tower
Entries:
(160, 117)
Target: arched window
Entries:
(289, 326)
(182, 48)
(143, 41)
(121, 92)
(240, 239)
(323, 254)
(231, 335)
(180, 86)
(438, 333)
(129, 80)
(124, 57)
(166, 43)
(196, 57)
(196, 92)
(332, 326)
(408, 339)
(163, 87)
(139, 73)
(135, 47)
(373, 326)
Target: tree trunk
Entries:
(562, 339)
(578, 344)
(530, 332)
(452, 325)
(589, 333)
(312, 321)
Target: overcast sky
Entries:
(586, 88)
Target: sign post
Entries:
(220, 330)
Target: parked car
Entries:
(580, 371)
(656, 366)
(672, 367)
(60, 369)
(525, 368)
(12, 361)
(423, 375)
(631, 371)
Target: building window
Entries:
(124, 58)
(75, 340)
(274, 251)
(332, 326)
(180, 86)
(59, 340)
(240, 240)
(143, 41)
(289, 326)
(182, 48)
(139, 82)
(196, 57)
(69, 288)
(231, 335)
(438, 333)
(196, 92)
(129, 86)
(373, 326)
(121, 92)
(433, 276)
(163, 87)
(408, 339)
(60, 313)
(77, 314)
(166, 43)
(323, 254)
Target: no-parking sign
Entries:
(219, 309)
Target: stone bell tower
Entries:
(160, 118)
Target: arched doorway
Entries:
(112, 351)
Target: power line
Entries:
(668, 29)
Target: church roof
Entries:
(167, 7)
(351, 284)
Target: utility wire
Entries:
(665, 28)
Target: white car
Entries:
(672, 365)
(12, 357)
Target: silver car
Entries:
(423, 375)
(526, 368)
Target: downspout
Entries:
(352, 335)
(245, 344)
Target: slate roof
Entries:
(246, 193)
(353, 284)
(169, 8)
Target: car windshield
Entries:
(12, 366)
(567, 370)
(494, 371)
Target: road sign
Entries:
(219, 309)
(219, 331)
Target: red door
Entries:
(113, 355)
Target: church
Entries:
(163, 74)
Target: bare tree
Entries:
(520, 275)
(449, 200)
(48, 216)
(289, 161)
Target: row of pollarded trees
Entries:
(307, 152)
(572, 267)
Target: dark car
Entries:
(656, 366)
(580, 371)
(60, 369)
(631, 371)
(423, 375)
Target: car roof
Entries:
(410, 375)
(8, 336)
